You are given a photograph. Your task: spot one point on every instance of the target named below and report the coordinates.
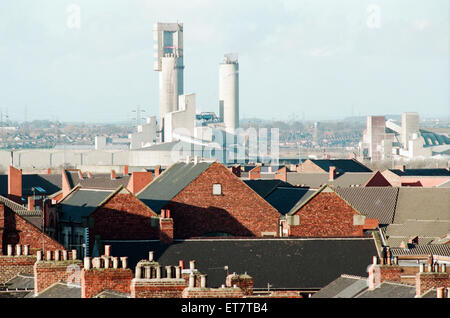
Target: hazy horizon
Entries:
(303, 60)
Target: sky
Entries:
(298, 59)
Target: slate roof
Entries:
(265, 187)
(344, 287)
(164, 188)
(50, 183)
(285, 198)
(421, 172)
(112, 294)
(104, 181)
(390, 290)
(81, 203)
(283, 263)
(21, 281)
(373, 202)
(60, 290)
(342, 165)
(316, 180)
(422, 204)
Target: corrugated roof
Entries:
(164, 188)
(422, 204)
(373, 202)
(419, 228)
(316, 180)
(283, 263)
(433, 249)
(82, 202)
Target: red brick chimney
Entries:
(157, 171)
(236, 170)
(433, 278)
(255, 173)
(30, 203)
(89, 175)
(15, 184)
(80, 175)
(281, 174)
(138, 181)
(113, 174)
(125, 170)
(166, 227)
(105, 273)
(332, 173)
(55, 268)
(49, 171)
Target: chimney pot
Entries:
(158, 272)
(374, 260)
(422, 268)
(192, 265)
(56, 255)
(150, 256)
(39, 256)
(18, 249)
(332, 173)
(395, 260)
(96, 262)
(124, 260)
(87, 263)
(203, 281)
(107, 250)
(65, 255)
(191, 281)
(443, 268)
(167, 214)
(430, 268)
(163, 214)
(440, 292)
(106, 259)
(169, 271)
(115, 262)
(74, 254)
(49, 255)
(138, 272)
(181, 264)
(113, 174)
(10, 250)
(147, 272)
(26, 249)
(177, 272)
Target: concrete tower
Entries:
(229, 92)
(410, 126)
(168, 38)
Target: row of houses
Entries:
(228, 221)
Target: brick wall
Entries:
(124, 217)
(239, 211)
(139, 180)
(49, 272)
(244, 282)
(95, 280)
(377, 180)
(19, 231)
(10, 266)
(213, 293)
(309, 166)
(427, 280)
(326, 215)
(166, 230)
(157, 288)
(14, 184)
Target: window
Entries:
(217, 189)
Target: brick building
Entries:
(206, 199)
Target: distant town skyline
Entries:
(92, 61)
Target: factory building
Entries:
(387, 140)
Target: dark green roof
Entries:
(342, 165)
(165, 187)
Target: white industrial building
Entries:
(387, 140)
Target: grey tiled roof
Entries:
(422, 204)
(283, 263)
(104, 181)
(419, 228)
(82, 202)
(373, 202)
(390, 290)
(164, 188)
(265, 187)
(21, 281)
(344, 287)
(60, 290)
(316, 180)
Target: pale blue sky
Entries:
(309, 59)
